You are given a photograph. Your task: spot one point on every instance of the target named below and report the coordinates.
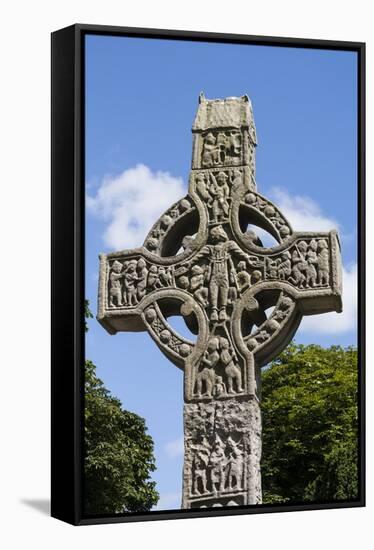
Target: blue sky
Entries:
(141, 98)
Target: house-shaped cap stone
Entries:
(231, 112)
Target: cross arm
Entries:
(126, 279)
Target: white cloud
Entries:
(334, 323)
(303, 213)
(169, 501)
(175, 448)
(131, 203)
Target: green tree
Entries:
(87, 313)
(118, 453)
(310, 425)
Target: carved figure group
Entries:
(219, 356)
(221, 148)
(217, 467)
(220, 276)
(215, 282)
(215, 192)
(306, 267)
(129, 281)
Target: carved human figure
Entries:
(236, 179)
(219, 389)
(220, 192)
(199, 468)
(210, 155)
(285, 266)
(218, 255)
(272, 268)
(223, 143)
(216, 466)
(142, 278)
(299, 264)
(115, 287)
(131, 278)
(312, 259)
(234, 465)
(153, 277)
(256, 277)
(229, 360)
(197, 284)
(243, 277)
(207, 364)
(323, 262)
(202, 189)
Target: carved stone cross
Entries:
(204, 260)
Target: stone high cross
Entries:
(203, 260)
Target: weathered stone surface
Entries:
(222, 453)
(202, 261)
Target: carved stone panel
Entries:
(222, 450)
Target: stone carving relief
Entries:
(305, 265)
(131, 280)
(220, 148)
(219, 370)
(201, 260)
(166, 223)
(218, 439)
(270, 212)
(218, 273)
(164, 334)
(273, 325)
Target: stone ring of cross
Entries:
(204, 259)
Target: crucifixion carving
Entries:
(204, 259)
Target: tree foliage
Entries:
(310, 425)
(118, 453)
(87, 313)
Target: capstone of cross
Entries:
(204, 260)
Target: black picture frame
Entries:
(68, 238)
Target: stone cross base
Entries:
(222, 453)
